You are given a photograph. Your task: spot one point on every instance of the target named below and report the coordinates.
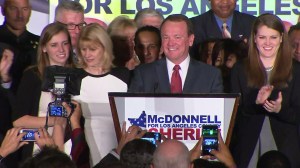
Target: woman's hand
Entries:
(5, 64)
(273, 106)
(263, 94)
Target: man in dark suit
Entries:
(14, 36)
(177, 36)
(14, 33)
(209, 24)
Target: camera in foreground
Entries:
(62, 83)
(29, 136)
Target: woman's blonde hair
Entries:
(119, 24)
(96, 34)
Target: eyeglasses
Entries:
(73, 26)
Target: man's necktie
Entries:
(176, 84)
(225, 32)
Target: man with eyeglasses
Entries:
(71, 14)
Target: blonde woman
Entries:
(98, 78)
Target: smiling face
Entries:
(176, 41)
(92, 53)
(223, 8)
(267, 42)
(58, 49)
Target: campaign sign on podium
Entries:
(176, 116)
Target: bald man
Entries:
(171, 154)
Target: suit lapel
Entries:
(189, 77)
(213, 29)
(162, 76)
(235, 30)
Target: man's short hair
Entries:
(152, 29)
(146, 12)
(294, 28)
(6, 2)
(69, 5)
(180, 18)
(49, 157)
(272, 159)
(137, 153)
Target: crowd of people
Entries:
(219, 51)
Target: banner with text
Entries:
(178, 118)
(107, 10)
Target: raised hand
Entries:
(133, 132)
(223, 154)
(196, 151)
(263, 94)
(5, 64)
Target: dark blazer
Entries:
(24, 47)
(206, 27)
(250, 118)
(153, 78)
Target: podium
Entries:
(176, 116)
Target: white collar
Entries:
(184, 65)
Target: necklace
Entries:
(269, 68)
